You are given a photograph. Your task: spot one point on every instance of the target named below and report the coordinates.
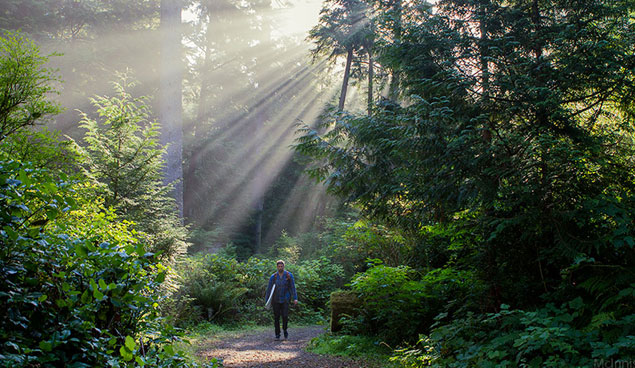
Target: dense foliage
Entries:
(509, 165)
(545, 337)
(76, 19)
(80, 286)
(122, 153)
(25, 84)
(218, 288)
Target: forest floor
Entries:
(261, 349)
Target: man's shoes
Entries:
(286, 335)
(277, 337)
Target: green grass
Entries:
(370, 349)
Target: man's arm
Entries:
(293, 292)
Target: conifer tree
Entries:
(344, 29)
(124, 156)
(25, 85)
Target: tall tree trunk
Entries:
(190, 198)
(371, 72)
(347, 72)
(483, 59)
(535, 18)
(483, 51)
(393, 89)
(170, 104)
(202, 111)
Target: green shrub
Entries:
(78, 289)
(393, 302)
(372, 350)
(44, 148)
(547, 337)
(398, 305)
(217, 287)
(315, 280)
(214, 285)
(351, 241)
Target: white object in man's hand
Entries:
(268, 303)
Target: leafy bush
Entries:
(373, 240)
(397, 304)
(287, 247)
(548, 337)
(44, 148)
(367, 348)
(345, 240)
(217, 287)
(393, 303)
(214, 284)
(315, 280)
(78, 288)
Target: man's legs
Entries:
(277, 308)
(285, 319)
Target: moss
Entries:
(343, 303)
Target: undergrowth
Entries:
(372, 350)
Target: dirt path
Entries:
(261, 349)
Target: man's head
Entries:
(280, 265)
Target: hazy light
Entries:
(248, 72)
(299, 19)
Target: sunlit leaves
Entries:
(511, 158)
(78, 290)
(25, 85)
(123, 155)
(342, 27)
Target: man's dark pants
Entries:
(278, 310)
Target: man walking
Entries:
(283, 293)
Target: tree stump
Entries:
(343, 303)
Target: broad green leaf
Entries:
(81, 250)
(98, 294)
(160, 277)
(46, 345)
(127, 355)
(130, 343)
(85, 299)
(169, 349)
(140, 361)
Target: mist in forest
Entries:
(247, 80)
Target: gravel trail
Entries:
(261, 349)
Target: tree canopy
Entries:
(511, 154)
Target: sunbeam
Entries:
(247, 81)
